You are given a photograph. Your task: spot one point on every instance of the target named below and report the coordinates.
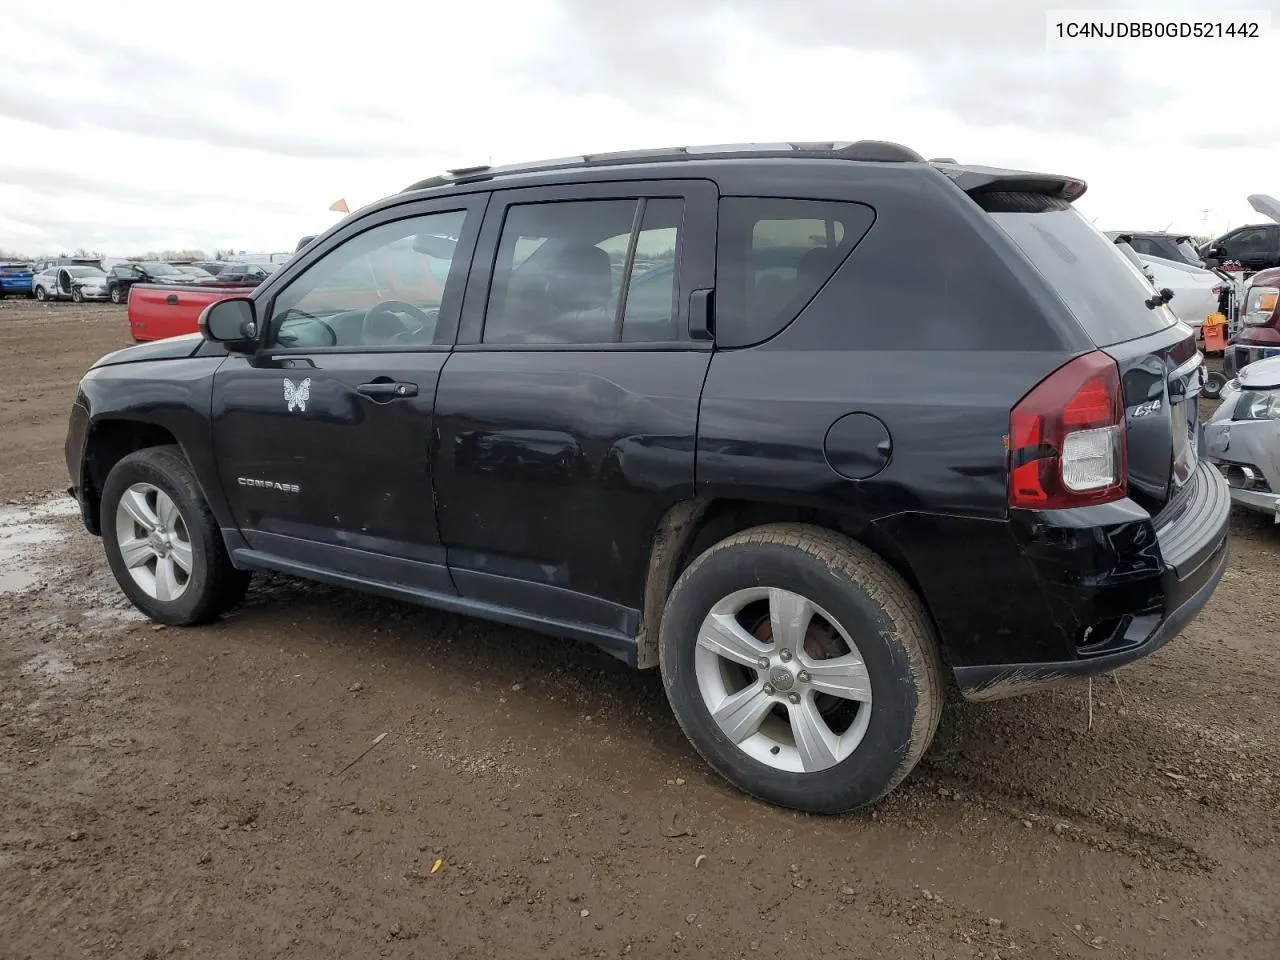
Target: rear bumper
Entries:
(1136, 598)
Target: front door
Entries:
(324, 437)
(568, 411)
(1252, 246)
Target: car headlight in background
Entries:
(1260, 305)
(1258, 405)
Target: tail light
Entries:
(1260, 305)
(1067, 444)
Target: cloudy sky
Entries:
(141, 126)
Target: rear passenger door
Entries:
(567, 413)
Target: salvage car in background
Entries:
(15, 280)
(1255, 246)
(79, 283)
(1197, 292)
(193, 270)
(124, 275)
(157, 312)
(1243, 437)
(242, 272)
(1177, 247)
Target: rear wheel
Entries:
(802, 667)
(1213, 384)
(162, 541)
(41, 295)
(115, 295)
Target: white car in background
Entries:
(75, 281)
(1196, 291)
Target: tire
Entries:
(41, 295)
(885, 627)
(212, 586)
(115, 295)
(1213, 385)
(77, 295)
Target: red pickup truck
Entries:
(156, 312)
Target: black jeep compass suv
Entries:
(812, 428)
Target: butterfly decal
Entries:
(297, 395)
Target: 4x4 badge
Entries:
(297, 395)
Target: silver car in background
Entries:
(1242, 438)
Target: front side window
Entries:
(382, 287)
(1254, 240)
(773, 255)
(586, 272)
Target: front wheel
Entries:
(115, 295)
(77, 295)
(41, 295)
(801, 667)
(162, 541)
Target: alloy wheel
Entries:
(154, 541)
(783, 679)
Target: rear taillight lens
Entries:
(1260, 305)
(1067, 443)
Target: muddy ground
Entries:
(192, 793)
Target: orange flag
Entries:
(340, 206)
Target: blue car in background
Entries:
(15, 280)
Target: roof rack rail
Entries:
(867, 151)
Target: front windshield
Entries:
(195, 271)
(161, 269)
(85, 272)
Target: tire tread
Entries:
(853, 561)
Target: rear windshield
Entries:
(1104, 291)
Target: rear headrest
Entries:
(580, 278)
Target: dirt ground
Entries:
(206, 792)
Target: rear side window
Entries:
(772, 256)
(1103, 290)
(586, 272)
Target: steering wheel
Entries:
(383, 323)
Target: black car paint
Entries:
(536, 480)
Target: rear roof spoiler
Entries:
(972, 180)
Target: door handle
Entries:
(701, 325)
(388, 389)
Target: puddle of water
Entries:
(23, 531)
(53, 508)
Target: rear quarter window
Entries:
(772, 257)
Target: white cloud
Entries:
(176, 126)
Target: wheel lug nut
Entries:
(794, 697)
(785, 656)
(803, 676)
(763, 663)
(768, 689)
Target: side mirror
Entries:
(233, 321)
